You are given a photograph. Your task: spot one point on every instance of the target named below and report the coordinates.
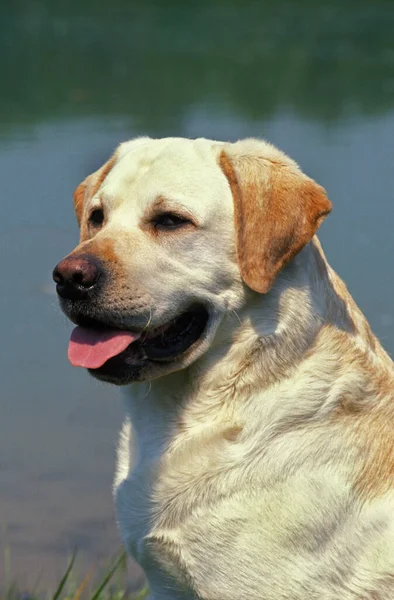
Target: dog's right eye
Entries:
(169, 221)
(96, 217)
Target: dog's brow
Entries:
(161, 203)
(96, 201)
(108, 200)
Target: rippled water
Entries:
(316, 79)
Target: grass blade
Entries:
(83, 585)
(108, 576)
(141, 595)
(66, 575)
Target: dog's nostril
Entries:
(86, 273)
(78, 278)
(57, 276)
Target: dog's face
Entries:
(172, 233)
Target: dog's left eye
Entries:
(96, 217)
(168, 221)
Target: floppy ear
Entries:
(90, 186)
(277, 209)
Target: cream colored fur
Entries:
(261, 467)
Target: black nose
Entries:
(76, 276)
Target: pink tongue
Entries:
(91, 348)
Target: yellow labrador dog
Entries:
(257, 459)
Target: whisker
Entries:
(237, 315)
(149, 320)
(149, 389)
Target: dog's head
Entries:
(176, 233)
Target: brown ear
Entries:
(277, 209)
(90, 186)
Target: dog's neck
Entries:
(287, 343)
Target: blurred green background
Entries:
(78, 77)
(153, 61)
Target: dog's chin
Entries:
(161, 351)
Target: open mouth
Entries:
(97, 347)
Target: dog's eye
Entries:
(167, 221)
(96, 217)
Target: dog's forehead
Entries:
(177, 168)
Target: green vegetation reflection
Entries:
(154, 61)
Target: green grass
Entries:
(111, 586)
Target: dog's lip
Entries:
(101, 323)
(142, 332)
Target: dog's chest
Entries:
(133, 507)
(163, 490)
(166, 467)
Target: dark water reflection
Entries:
(315, 78)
